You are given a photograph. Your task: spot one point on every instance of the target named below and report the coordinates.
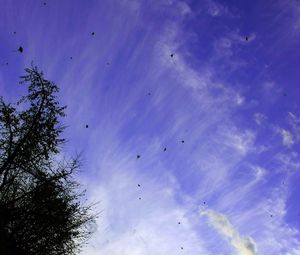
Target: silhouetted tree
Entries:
(41, 208)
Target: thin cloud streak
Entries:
(244, 245)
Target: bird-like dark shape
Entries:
(20, 49)
(139, 185)
(93, 33)
(182, 141)
(165, 149)
(172, 55)
(86, 126)
(138, 156)
(247, 38)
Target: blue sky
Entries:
(233, 184)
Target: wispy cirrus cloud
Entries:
(287, 137)
(156, 74)
(294, 121)
(141, 219)
(259, 118)
(243, 245)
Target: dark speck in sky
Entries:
(138, 156)
(93, 33)
(20, 49)
(86, 126)
(165, 149)
(172, 55)
(182, 141)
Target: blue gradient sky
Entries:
(234, 183)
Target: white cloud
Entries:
(244, 245)
(259, 172)
(271, 90)
(131, 226)
(291, 8)
(259, 118)
(289, 162)
(184, 8)
(216, 9)
(277, 236)
(295, 123)
(211, 94)
(293, 118)
(238, 38)
(287, 137)
(227, 46)
(242, 142)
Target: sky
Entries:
(193, 115)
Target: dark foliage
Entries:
(40, 203)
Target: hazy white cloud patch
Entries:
(295, 123)
(289, 162)
(259, 172)
(269, 85)
(216, 9)
(234, 38)
(265, 219)
(242, 39)
(241, 141)
(287, 137)
(292, 9)
(184, 8)
(228, 46)
(239, 99)
(243, 245)
(211, 94)
(271, 90)
(259, 118)
(273, 234)
(141, 219)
